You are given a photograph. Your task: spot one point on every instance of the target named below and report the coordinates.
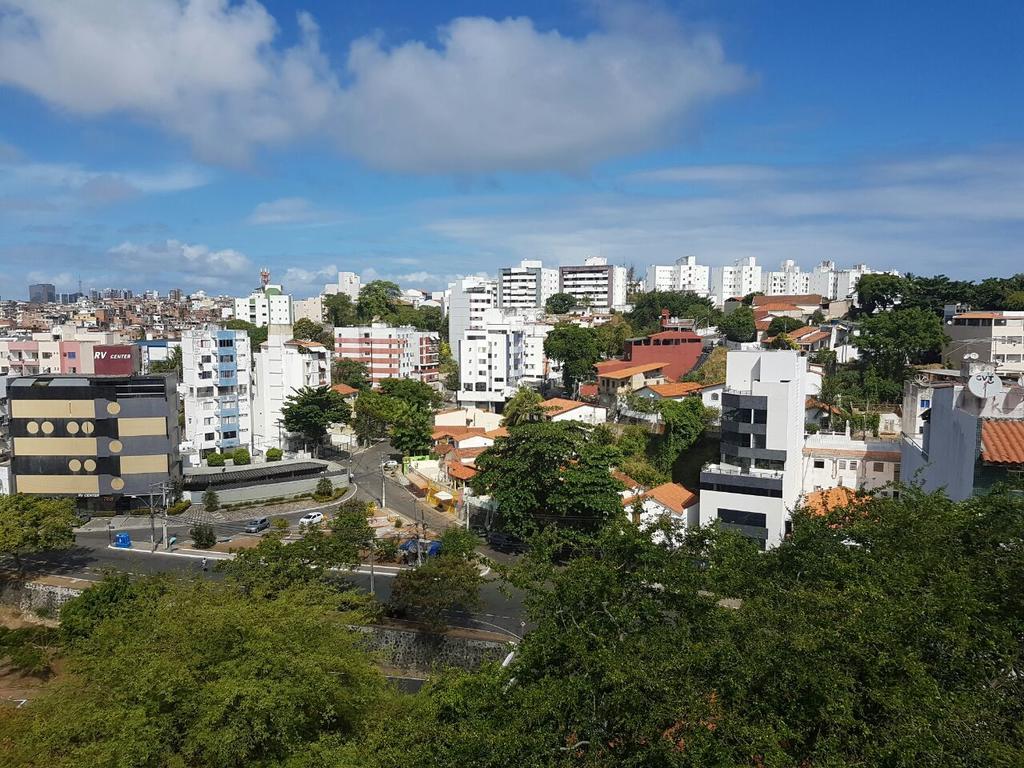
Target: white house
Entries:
(837, 460)
(561, 409)
(668, 501)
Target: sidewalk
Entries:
(125, 523)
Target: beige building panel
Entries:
(55, 446)
(140, 465)
(153, 425)
(48, 484)
(53, 409)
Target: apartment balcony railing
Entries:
(725, 469)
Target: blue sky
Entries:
(157, 144)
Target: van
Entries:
(257, 525)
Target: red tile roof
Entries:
(588, 390)
(1002, 441)
(556, 406)
(344, 389)
(606, 366)
(625, 479)
(496, 433)
(824, 501)
(801, 298)
(460, 471)
(673, 496)
(675, 389)
(625, 373)
(456, 432)
(779, 306)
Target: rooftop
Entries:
(801, 298)
(676, 388)
(673, 496)
(556, 406)
(625, 373)
(824, 501)
(1002, 441)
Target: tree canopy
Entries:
(310, 410)
(738, 325)
(171, 365)
(306, 329)
(257, 333)
(645, 317)
(784, 325)
(576, 348)
(890, 341)
(523, 406)
(31, 524)
(560, 304)
(411, 429)
(351, 372)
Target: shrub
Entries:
(399, 522)
(211, 501)
(387, 550)
(203, 536)
(177, 509)
(215, 460)
(241, 456)
(324, 489)
(811, 429)
(274, 454)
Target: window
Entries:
(819, 463)
(72, 355)
(208, 436)
(926, 403)
(842, 463)
(878, 466)
(714, 396)
(853, 465)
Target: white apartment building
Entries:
(468, 299)
(283, 366)
(738, 279)
(390, 352)
(505, 352)
(348, 284)
(265, 306)
(833, 283)
(788, 280)
(527, 286)
(685, 275)
(311, 309)
(757, 483)
(995, 337)
(832, 460)
(216, 389)
(595, 285)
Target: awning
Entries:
(443, 496)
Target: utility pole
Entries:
(373, 545)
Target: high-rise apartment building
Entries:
(685, 275)
(265, 306)
(527, 286)
(112, 441)
(468, 299)
(995, 337)
(283, 366)
(737, 279)
(390, 352)
(348, 284)
(788, 280)
(595, 285)
(42, 293)
(758, 480)
(216, 376)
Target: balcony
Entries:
(726, 469)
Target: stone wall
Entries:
(412, 648)
(43, 596)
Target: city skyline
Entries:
(337, 139)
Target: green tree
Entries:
(738, 325)
(448, 367)
(351, 372)
(417, 394)
(340, 310)
(215, 459)
(459, 542)
(306, 329)
(587, 494)
(171, 365)
(817, 318)
(377, 299)
(685, 420)
(560, 304)
(712, 370)
(576, 348)
(784, 325)
(224, 681)
(611, 336)
(410, 430)
(257, 333)
(351, 532)
(203, 535)
(274, 454)
(373, 413)
(324, 489)
(240, 457)
(890, 341)
(645, 316)
(211, 501)
(30, 524)
(310, 410)
(783, 341)
(877, 293)
(442, 584)
(523, 406)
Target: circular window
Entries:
(88, 427)
(32, 427)
(113, 408)
(90, 465)
(117, 483)
(75, 465)
(115, 446)
(72, 427)
(47, 427)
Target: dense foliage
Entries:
(576, 348)
(645, 316)
(931, 294)
(310, 410)
(560, 304)
(738, 325)
(35, 524)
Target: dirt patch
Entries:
(12, 618)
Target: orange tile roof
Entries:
(304, 343)
(1002, 441)
(780, 306)
(460, 471)
(812, 402)
(556, 406)
(824, 501)
(813, 337)
(625, 373)
(496, 433)
(794, 298)
(588, 390)
(344, 389)
(605, 366)
(675, 389)
(673, 496)
(625, 479)
(980, 315)
(456, 432)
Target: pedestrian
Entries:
(204, 565)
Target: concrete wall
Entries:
(268, 490)
(413, 649)
(44, 596)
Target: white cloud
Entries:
(291, 210)
(174, 256)
(301, 282)
(486, 96)
(714, 174)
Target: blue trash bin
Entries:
(122, 540)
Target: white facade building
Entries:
(390, 352)
(283, 366)
(495, 359)
(995, 337)
(685, 275)
(833, 460)
(595, 285)
(265, 306)
(468, 299)
(738, 279)
(527, 286)
(310, 309)
(216, 389)
(348, 284)
(757, 483)
(788, 280)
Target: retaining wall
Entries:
(43, 596)
(412, 648)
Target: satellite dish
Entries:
(985, 385)
(921, 380)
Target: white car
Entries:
(311, 518)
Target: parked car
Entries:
(506, 542)
(256, 525)
(311, 518)
(390, 465)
